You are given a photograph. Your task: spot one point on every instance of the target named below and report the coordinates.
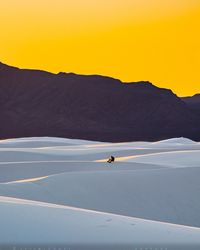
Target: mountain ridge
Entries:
(193, 102)
(94, 107)
(72, 74)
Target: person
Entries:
(111, 159)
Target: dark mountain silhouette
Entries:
(193, 102)
(39, 103)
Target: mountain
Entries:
(192, 99)
(93, 107)
(193, 102)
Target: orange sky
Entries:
(155, 40)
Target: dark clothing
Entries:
(111, 159)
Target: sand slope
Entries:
(84, 229)
(155, 181)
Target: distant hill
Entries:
(93, 107)
(193, 102)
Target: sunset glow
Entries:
(131, 39)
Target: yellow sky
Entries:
(155, 40)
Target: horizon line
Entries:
(95, 74)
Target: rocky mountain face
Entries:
(39, 103)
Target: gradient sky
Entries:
(155, 40)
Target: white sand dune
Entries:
(33, 142)
(184, 158)
(169, 195)
(177, 141)
(13, 171)
(25, 221)
(155, 181)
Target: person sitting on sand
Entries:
(111, 159)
